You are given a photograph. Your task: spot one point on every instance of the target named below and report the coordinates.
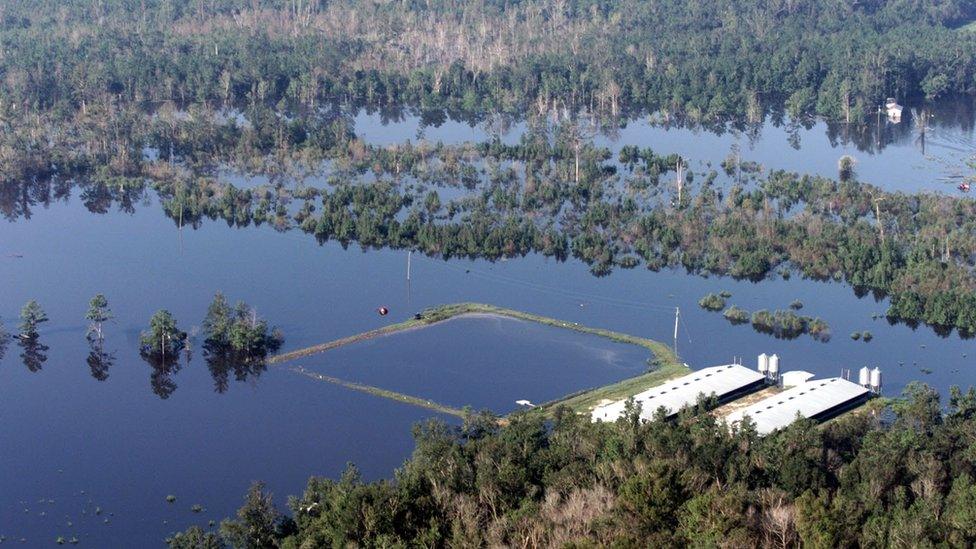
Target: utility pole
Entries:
(678, 168)
(879, 128)
(677, 314)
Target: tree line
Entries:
(904, 478)
(698, 59)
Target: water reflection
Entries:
(221, 366)
(161, 376)
(99, 361)
(33, 354)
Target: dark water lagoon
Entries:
(484, 361)
(83, 445)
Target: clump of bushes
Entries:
(789, 325)
(712, 302)
(735, 315)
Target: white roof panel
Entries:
(807, 400)
(684, 391)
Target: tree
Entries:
(164, 339)
(195, 538)
(257, 522)
(31, 316)
(217, 323)
(98, 313)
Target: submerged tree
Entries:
(164, 340)
(237, 341)
(98, 313)
(31, 316)
(239, 330)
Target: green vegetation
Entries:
(585, 401)
(33, 352)
(238, 330)
(789, 325)
(163, 341)
(688, 60)
(866, 336)
(31, 316)
(712, 302)
(796, 305)
(565, 481)
(236, 340)
(855, 335)
(735, 315)
(98, 314)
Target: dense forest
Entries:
(898, 479)
(697, 59)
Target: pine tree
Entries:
(98, 313)
(31, 316)
(164, 339)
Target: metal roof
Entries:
(684, 391)
(795, 377)
(807, 399)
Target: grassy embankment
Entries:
(667, 364)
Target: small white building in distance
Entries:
(724, 382)
(893, 109)
(818, 399)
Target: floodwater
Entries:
(83, 445)
(908, 156)
(484, 361)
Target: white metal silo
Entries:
(864, 376)
(876, 380)
(774, 366)
(763, 363)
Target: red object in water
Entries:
(964, 187)
(383, 311)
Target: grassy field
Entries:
(585, 401)
(666, 364)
